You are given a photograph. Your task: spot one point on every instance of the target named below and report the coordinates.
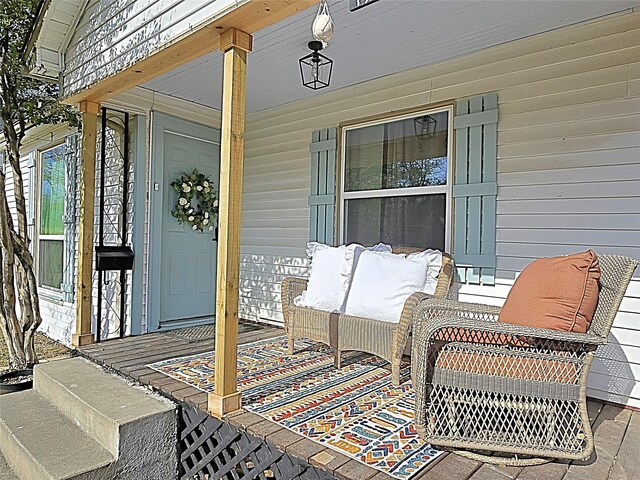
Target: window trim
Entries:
(447, 189)
(46, 291)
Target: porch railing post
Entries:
(83, 334)
(235, 44)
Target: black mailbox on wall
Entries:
(114, 258)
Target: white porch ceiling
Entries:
(383, 38)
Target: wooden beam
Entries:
(233, 38)
(249, 17)
(83, 335)
(225, 398)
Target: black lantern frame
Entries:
(425, 126)
(315, 68)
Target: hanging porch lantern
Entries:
(425, 126)
(315, 68)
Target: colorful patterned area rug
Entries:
(354, 410)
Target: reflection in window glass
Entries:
(52, 192)
(381, 162)
(416, 221)
(50, 263)
(399, 154)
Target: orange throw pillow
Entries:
(559, 293)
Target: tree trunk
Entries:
(28, 289)
(18, 331)
(24, 103)
(9, 323)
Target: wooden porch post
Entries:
(83, 335)
(235, 44)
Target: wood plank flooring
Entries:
(616, 430)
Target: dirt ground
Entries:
(45, 348)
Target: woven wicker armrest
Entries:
(433, 308)
(290, 288)
(450, 328)
(403, 331)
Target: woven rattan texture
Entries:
(496, 387)
(383, 339)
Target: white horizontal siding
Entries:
(57, 320)
(260, 283)
(10, 189)
(568, 167)
(112, 35)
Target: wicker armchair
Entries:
(498, 387)
(343, 332)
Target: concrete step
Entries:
(40, 443)
(138, 429)
(5, 471)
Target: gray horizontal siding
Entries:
(568, 167)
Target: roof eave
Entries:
(36, 27)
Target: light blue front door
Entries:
(183, 277)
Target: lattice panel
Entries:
(212, 449)
(505, 420)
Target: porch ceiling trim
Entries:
(249, 17)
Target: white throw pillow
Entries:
(331, 272)
(328, 284)
(382, 282)
(434, 259)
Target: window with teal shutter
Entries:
(50, 224)
(323, 186)
(396, 184)
(52, 221)
(475, 188)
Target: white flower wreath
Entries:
(197, 203)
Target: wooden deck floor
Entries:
(617, 430)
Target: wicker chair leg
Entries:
(290, 344)
(395, 373)
(337, 358)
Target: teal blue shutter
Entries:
(323, 186)
(31, 199)
(69, 218)
(475, 188)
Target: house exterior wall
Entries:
(57, 315)
(112, 35)
(145, 102)
(568, 168)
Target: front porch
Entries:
(616, 430)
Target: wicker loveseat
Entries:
(343, 332)
(490, 386)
